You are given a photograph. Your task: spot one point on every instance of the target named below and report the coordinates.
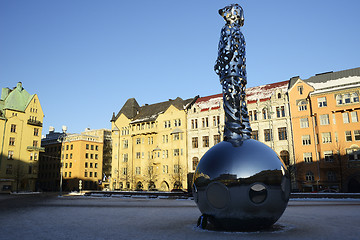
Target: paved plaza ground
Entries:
(78, 217)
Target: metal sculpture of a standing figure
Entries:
(231, 68)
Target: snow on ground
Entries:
(79, 217)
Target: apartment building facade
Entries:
(149, 146)
(325, 110)
(21, 118)
(81, 156)
(269, 116)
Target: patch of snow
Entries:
(336, 83)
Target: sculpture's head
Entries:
(233, 14)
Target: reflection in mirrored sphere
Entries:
(241, 187)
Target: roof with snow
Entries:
(209, 102)
(335, 80)
(147, 113)
(264, 92)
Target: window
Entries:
(347, 98)
(205, 141)
(96, 156)
(357, 135)
(165, 169)
(279, 95)
(138, 171)
(355, 97)
(165, 139)
(36, 132)
(309, 176)
(322, 102)
(354, 117)
(70, 165)
(339, 100)
(86, 164)
(195, 162)
(255, 135)
(328, 156)
(90, 174)
(10, 155)
(280, 111)
(255, 116)
(125, 171)
(300, 89)
(12, 141)
(282, 133)
(91, 156)
(13, 128)
(345, 117)
(250, 116)
(138, 155)
(86, 155)
(96, 147)
(177, 122)
(302, 105)
(176, 136)
(331, 176)
(304, 123)
(264, 113)
(324, 119)
(194, 124)
(35, 143)
(176, 168)
(95, 174)
(176, 152)
(306, 140)
(285, 157)
(307, 157)
(87, 146)
(195, 142)
(9, 169)
(167, 124)
(138, 141)
(216, 139)
(326, 137)
(353, 154)
(334, 118)
(125, 143)
(267, 135)
(85, 174)
(348, 136)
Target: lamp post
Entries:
(61, 140)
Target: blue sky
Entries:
(85, 58)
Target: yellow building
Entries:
(82, 156)
(324, 115)
(150, 146)
(21, 118)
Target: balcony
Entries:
(34, 122)
(32, 148)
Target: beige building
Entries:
(269, 116)
(21, 119)
(205, 121)
(149, 146)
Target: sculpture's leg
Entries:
(232, 102)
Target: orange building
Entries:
(82, 156)
(324, 116)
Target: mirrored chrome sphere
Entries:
(241, 187)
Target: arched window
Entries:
(284, 155)
(355, 97)
(302, 105)
(195, 161)
(339, 99)
(279, 95)
(264, 113)
(309, 176)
